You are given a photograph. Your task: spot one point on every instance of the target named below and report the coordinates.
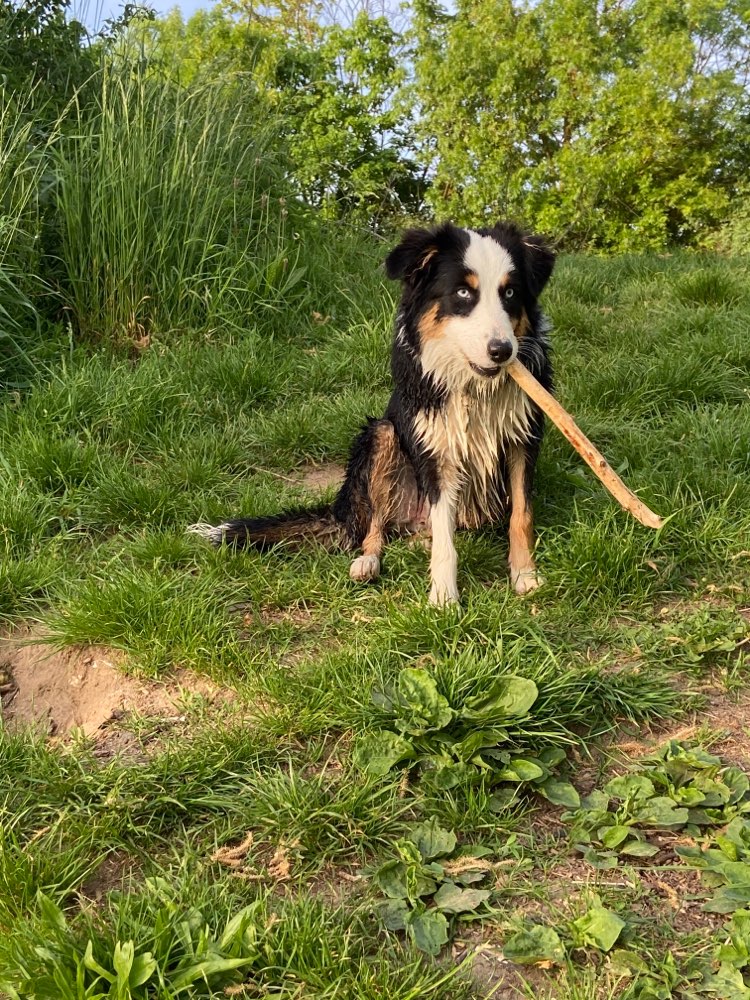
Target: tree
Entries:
(41, 53)
(334, 90)
(613, 123)
(346, 133)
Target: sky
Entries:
(93, 12)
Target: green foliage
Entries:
(333, 88)
(597, 928)
(345, 129)
(44, 65)
(697, 639)
(191, 939)
(618, 126)
(167, 212)
(725, 863)
(664, 983)
(721, 977)
(733, 237)
(451, 743)
(537, 944)
(42, 54)
(25, 149)
(678, 788)
(425, 871)
(188, 955)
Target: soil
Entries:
(83, 688)
(317, 478)
(117, 870)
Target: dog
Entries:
(458, 443)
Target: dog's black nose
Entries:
(499, 350)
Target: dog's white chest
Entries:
(467, 438)
(467, 434)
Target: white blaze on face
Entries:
(464, 339)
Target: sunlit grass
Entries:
(106, 458)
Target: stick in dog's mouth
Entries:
(593, 458)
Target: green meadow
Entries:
(306, 787)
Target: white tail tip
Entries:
(213, 533)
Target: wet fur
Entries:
(454, 448)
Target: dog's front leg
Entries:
(444, 560)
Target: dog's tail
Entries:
(292, 528)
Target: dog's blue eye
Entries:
(463, 293)
(507, 293)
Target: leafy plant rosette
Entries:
(537, 944)
(427, 890)
(724, 861)
(451, 743)
(188, 954)
(722, 977)
(678, 788)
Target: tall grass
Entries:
(24, 176)
(169, 207)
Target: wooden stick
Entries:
(593, 458)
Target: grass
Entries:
(193, 376)
(160, 193)
(108, 460)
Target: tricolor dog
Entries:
(458, 443)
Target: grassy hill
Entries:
(237, 690)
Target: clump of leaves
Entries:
(733, 955)
(696, 639)
(713, 792)
(428, 890)
(677, 788)
(538, 944)
(451, 743)
(190, 955)
(722, 977)
(663, 980)
(725, 864)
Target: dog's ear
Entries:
(540, 261)
(412, 255)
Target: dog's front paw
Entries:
(444, 596)
(365, 568)
(526, 580)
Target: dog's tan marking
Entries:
(429, 326)
(384, 494)
(523, 573)
(521, 325)
(472, 280)
(425, 260)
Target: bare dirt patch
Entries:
(118, 870)
(317, 478)
(82, 688)
(674, 900)
(492, 973)
(297, 615)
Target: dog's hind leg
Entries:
(370, 498)
(523, 574)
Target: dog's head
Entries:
(469, 295)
